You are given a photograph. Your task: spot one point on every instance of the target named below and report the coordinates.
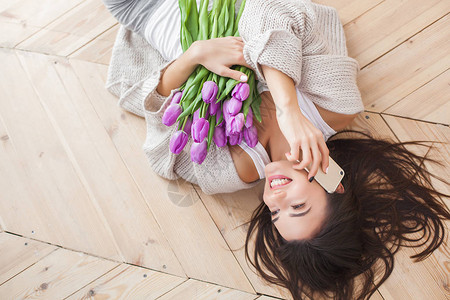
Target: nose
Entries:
(275, 196)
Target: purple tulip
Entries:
(187, 126)
(199, 151)
(214, 107)
(197, 115)
(235, 124)
(234, 106)
(251, 136)
(241, 91)
(249, 119)
(225, 112)
(219, 137)
(209, 91)
(199, 130)
(235, 139)
(171, 114)
(176, 98)
(178, 141)
(218, 115)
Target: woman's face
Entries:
(299, 207)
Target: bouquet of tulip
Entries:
(209, 107)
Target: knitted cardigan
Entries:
(302, 39)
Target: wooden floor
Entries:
(81, 213)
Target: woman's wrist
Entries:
(194, 53)
(178, 71)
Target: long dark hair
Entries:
(389, 202)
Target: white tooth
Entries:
(277, 182)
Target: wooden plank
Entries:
(21, 19)
(99, 165)
(56, 276)
(129, 282)
(408, 130)
(188, 226)
(428, 279)
(13, 33)
(230, 212)
(350, 9)
(389, 24)
(412, 64)
(42, 194)
(100, 49)
(197, 290)
(372, 124)
(36, 13)
(264, 297)
(19, 253)
(416, 280)
(430, 102)
(72, 30)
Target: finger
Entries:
(236, 75)
(325, 156)
(306, 159)
(316, 161)
(294, 154)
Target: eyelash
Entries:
(273, 213)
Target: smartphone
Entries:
(331, 180)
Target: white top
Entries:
(163, 29)
(163, 33)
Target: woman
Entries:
(306, 240)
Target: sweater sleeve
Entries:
(134, 70)
(273, 32)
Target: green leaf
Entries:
(192, 20)
(231, 83)
(203, 20)
(236, 23)
(222, 21)
(255, 106)
(191, 108)
(249, 100)
(211, 120)
(231, 15)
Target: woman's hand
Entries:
(301, 133)
(219, 54)
(296, 128)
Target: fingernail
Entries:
(311, 179)
(326, 170)
(244, 78)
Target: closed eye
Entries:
(298, 206)
(273, 213)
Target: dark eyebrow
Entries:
(294, 215)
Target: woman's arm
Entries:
(297, 129)
(217, 55)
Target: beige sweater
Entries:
(300, 38)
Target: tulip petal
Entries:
(178, 141)
(199, 151)
(171, 114)
(219, 137)
(251, 136)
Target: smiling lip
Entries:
(278, 177)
